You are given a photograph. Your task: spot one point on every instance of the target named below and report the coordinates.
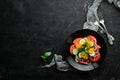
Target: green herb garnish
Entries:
(45, 56)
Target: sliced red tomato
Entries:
(96, 58)
(82, 61)
(71, 48)
(76, 40)
(92, 38)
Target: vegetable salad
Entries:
(85, 49)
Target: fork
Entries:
(101, 25)
(110, 37)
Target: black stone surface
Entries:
(28, 28)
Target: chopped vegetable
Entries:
(92, 54)
(90, 43)
(71, 49)
(92, 38)
(82, 61)
(95, 58)
(78, 46)
(77, 40)
(75, 51)
(79, 55)
(76, 60)
(83, 55)
(82, 41)
(91, 50)
(99, 46)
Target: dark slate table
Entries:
(28, 28)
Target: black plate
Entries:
(100, 41)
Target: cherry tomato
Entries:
(82, 61)
(96, 58)
(92, 38)
(71, 48)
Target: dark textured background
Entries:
(28, 28)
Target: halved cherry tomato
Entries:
(77, 40)
(91, 38)
(82, 61)
(71, 48)
(96, 58)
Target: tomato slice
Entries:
(96, 58)
(71, 48)
(76, 40)
(92, 38)
(82, 61)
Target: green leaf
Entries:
(86, 49)
(46, 54)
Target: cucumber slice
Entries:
(86, 49)
(75, 51)
(85, 39)
(92, 54)
(76, 60)
(91, 43)
(82, 41)
(79, 55)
